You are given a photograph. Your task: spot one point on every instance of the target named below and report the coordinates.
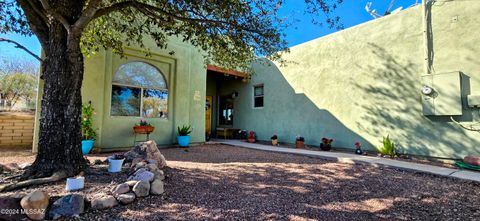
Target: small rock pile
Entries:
(146, 178)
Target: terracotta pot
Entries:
(251, 140)
(299, 144)
(275, 142)
(143, 129)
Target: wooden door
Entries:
(208, 114)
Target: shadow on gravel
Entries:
(220, 182)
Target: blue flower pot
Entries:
(87, 146)
(183, 141)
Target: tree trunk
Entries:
(59, 147)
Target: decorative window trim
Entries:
(142, 89)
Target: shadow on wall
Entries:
(287, 113)
(395, 108)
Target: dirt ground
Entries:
(218, 182)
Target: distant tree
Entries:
(15, 87)
(229, 32)
(17, 80)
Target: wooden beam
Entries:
(227, 72)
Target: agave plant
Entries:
(184, 130)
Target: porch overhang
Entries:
(227, 72)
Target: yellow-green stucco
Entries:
(359, 84)
(363, 83)
(184, 72)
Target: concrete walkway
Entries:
(353, 158)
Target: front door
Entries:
(208, 114)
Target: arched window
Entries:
(139, 89)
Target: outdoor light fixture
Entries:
(234, 94)
(426, 90)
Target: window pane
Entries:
(155, 103)
(125, 101)
(258, 102)
(258, 90)
(139, 74)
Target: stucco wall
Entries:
(185, 74)
(363, 83)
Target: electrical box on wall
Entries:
(473, 101)
(442, 94)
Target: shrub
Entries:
(88, 133)
(388, 147)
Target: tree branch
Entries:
(112, 8)
(38, 11)
(18, 45)
(87, 15)
(55, 15)
(38, 26)
(150, 10)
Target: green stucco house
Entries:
(356, 85)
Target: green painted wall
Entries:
(364, 82)
(185, 74)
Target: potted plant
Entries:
(88, 133)
(143, 127)
(115, 163)
(274, 139)
(183, 137)
(326, 144)
(358, 148)
(251, 137)
(299, 142)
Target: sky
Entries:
(351, 13)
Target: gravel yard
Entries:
(218, 182)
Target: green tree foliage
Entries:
(229, 32)
(17, 81)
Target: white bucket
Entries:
(114, 166)
(75, 183)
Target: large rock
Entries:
(147, 151)
(126, 198)
(137, 152)
(121, 189)
(141, 189)
(154, 154)
(11, 209)
(137, 160)
(146, 176)
(156, 187)
(104, 202)
(473, 160)
(131, 183)
(152, 167)
(68, 206)
(140, 165)
(35, 204)
(159, 174)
